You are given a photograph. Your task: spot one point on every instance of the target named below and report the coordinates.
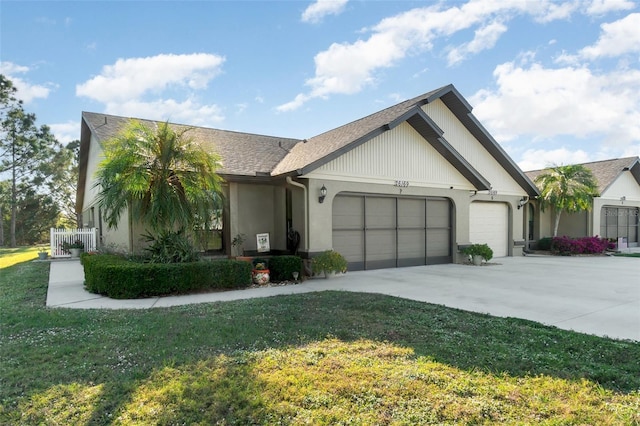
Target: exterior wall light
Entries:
(323, 193)
(522, 202)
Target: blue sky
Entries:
(555, 82)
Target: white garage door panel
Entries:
(489, 223)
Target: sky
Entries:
(554, 82)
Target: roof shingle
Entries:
(242, 153)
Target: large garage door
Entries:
(375, 232)
(489, 223)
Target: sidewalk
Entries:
(596, 295)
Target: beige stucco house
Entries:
(614, 213)
(404, 186)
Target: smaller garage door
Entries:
(489, 223)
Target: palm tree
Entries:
(166, 180)
(566, 188)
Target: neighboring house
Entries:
(615, 211)
(404, 186)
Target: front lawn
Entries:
(11, 256)
(323, 358)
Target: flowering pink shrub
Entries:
(586, 245)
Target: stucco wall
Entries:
(574, 224)
(115, 238)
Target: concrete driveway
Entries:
(596, 295)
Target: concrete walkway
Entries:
(596, 295)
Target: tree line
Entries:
(38, 175)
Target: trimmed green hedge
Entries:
(281, 268)
(119, 278)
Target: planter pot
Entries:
(477, 259)
(260, 276)
(331, 274)
(75, 252)
(43, 256)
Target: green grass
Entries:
(324, 358)
(627, 254)
(11, 256)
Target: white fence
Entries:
(61, 236)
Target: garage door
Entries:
(617, 222)
(489, 223)
(375, 232)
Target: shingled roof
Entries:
(606, 171)
(258, 157)
(242, 154)
(321, 149)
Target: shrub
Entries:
(260, 263)
(479, 250)
(329, 261)
(119, 278)
(171, 247)
(283, 267)
(544, 243)
(567, 246)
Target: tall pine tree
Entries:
(25, 149)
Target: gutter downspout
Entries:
(306, 211)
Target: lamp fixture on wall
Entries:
(522, 202)
(323, 193)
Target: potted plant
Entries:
(478, 252)
(237, 245)
(329, 262)
(43, 253)
(74, 248)
(260, 272)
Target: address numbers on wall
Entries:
(401, 183)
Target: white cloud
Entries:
(134, 77)
(600, 7)
(9, 68)
(536, 159)
(485, 38)
(66, 132)
(134, 87)
(317, 11)
(542, 103)
(413, 32)
(186, 112)
(299, 100)
(616, 39)
(26, 91)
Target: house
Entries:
(404, 186)
(614, 213)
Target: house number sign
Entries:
(401, 183)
